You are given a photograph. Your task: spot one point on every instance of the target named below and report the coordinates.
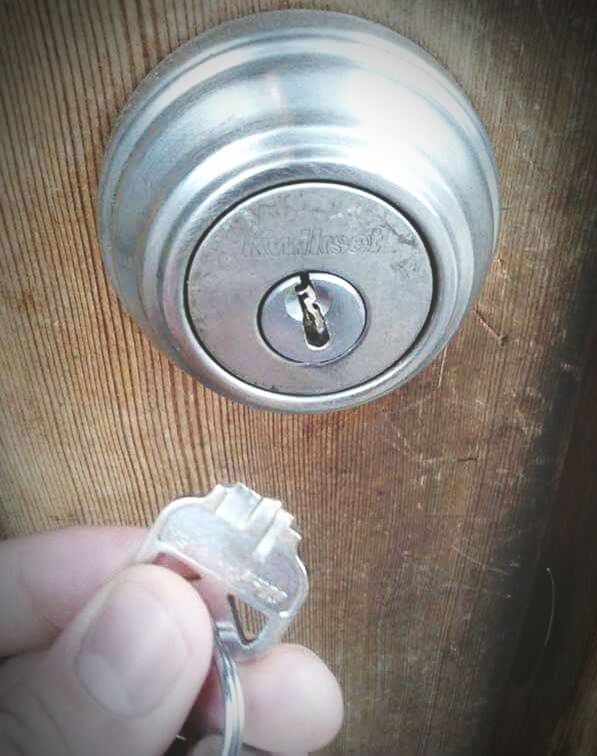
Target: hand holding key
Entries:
(105, 658)
(239, 546)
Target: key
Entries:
(316, 330)
(242, 545)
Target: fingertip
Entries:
(130, 664)
(305, 701)
(293, 703)
(143, 644)
(182, 602)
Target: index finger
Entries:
(48, 577)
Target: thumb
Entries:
(120, 679)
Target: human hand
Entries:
(105, 658)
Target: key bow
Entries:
(240, 544)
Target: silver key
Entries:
(242, 545)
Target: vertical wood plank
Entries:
(421, 512)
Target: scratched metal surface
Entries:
(421, 513)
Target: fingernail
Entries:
(132, 652)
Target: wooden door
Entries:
(422, 513)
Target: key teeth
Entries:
(215, 497)
(266, 519)
(293, 538)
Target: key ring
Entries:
(232, 696)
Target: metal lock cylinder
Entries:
(299, 207)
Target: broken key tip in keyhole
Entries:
(317, 335)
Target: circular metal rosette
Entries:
(289, 144)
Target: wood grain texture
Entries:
(422, 512)
(550, 703)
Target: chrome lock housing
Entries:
(299, 207)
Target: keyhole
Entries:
(317, 335)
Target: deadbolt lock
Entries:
(299, 207)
